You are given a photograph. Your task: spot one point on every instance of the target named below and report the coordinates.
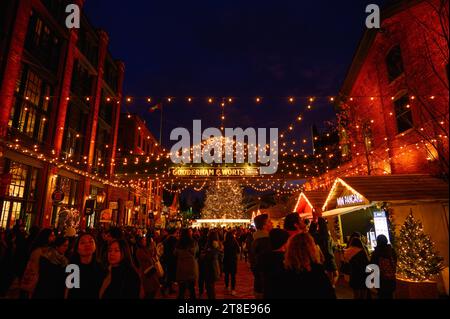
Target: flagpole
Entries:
(161, 125)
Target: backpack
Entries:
(387, 268)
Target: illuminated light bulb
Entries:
(129, 99)
(311, 99)
(67, 98)
(332, 99)
(149, 100)
(432, 97)
(291, 100)
(210, 100)
(230, 100)
(309, 107)
(258, 99)
(88, 99)
(351, 99)
(413, 97)
(129, 116)
(189, 99)
(372, 98)
(299, 118)
(408, 106)
(47, 98)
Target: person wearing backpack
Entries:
(385, 258)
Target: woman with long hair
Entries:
(230, 258)
(122, 280)
(305, 276)
(187, 267)
(146, 257)
(91, 271)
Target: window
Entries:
(31, 110)
(403, 114)
(75, 134)
(42, 43)
(19, 199)
(394, 63)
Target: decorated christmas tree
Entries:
(224, 199)
(417, 257)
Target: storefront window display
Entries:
(19, 199)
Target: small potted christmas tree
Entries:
(418, 262)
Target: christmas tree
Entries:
(224, 200)
(417, 258)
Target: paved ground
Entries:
(244, 286)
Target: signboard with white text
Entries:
(381, 224)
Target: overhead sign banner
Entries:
(349, 200)
(215, 172)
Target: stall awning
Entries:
(344, 210)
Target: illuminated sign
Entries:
(381, 224)
(349, 200)
(215, 172)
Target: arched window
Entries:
(394, 63)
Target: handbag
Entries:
(159, 268)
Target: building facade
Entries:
(60, 101)
(393, 107)
(137, 143)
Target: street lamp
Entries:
(101, 197)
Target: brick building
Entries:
(393, 105)
(137, 141)
(60, 101)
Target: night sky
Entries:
(243, 49)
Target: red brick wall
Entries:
(425, 75)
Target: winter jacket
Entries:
(358, 261)
(230, 256)
(187, 266)
(304, 284)
(273, 274)
(121, 282)
(91, 277)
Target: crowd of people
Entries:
(296, 262)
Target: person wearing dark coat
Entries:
(385, 258)
(187, 266)
(52, 271)
(169, 261)
(305, 277)
(91, 271)
(230, 258)
(358, 260)
(211, 256)
(327, 247)
(122, 280)
(260, 246)
(273, 265)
